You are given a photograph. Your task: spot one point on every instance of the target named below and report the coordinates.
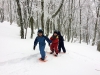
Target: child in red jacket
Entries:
(55, 42)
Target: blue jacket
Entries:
(41, 40)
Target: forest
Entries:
(77, 20)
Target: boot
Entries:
(56, 55)
(51, 52)
(41, 59)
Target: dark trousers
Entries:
(61, 45)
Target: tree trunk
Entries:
(54, 24)
(95, 30)
(51, 26)
(20, 17)
(70, 15)
(80, 21)
(48, 24)
(58, 23)
(25, 18)
(26, 33)
(42, 16)
(58, 9)
(98, 42)
(2, 12)
(98, 46)
(32, 27)
(37, 21)
(87, 34)
(69, 30)
(10, 14)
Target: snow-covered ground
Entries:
(17, 56)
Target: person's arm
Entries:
(62, 39)
(51, 38)
(47, 39)
(36, 41)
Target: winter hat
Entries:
(40, 31)
(55, 32)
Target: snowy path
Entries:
(18, 58)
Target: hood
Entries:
(59, 33)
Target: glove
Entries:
(34, 47)
(49, 44)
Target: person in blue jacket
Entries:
(61, 43)
(41, 39)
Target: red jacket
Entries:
(54, 40)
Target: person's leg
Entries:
(63, 48)
(42, 52)
(56, 49)
(59, 47)
(52, 49)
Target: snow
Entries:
(17, 56)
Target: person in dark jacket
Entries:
(54, 45)
(41, 39)
(61, 43)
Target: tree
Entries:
(42, 16)
(80, 20)
(32, 27)
(2, 12)
(98, 42)
(20, 17)
(58, 9)
(10, 13)
(96, 24)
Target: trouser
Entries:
(61, 45)
(54, 47)
(42, 52)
